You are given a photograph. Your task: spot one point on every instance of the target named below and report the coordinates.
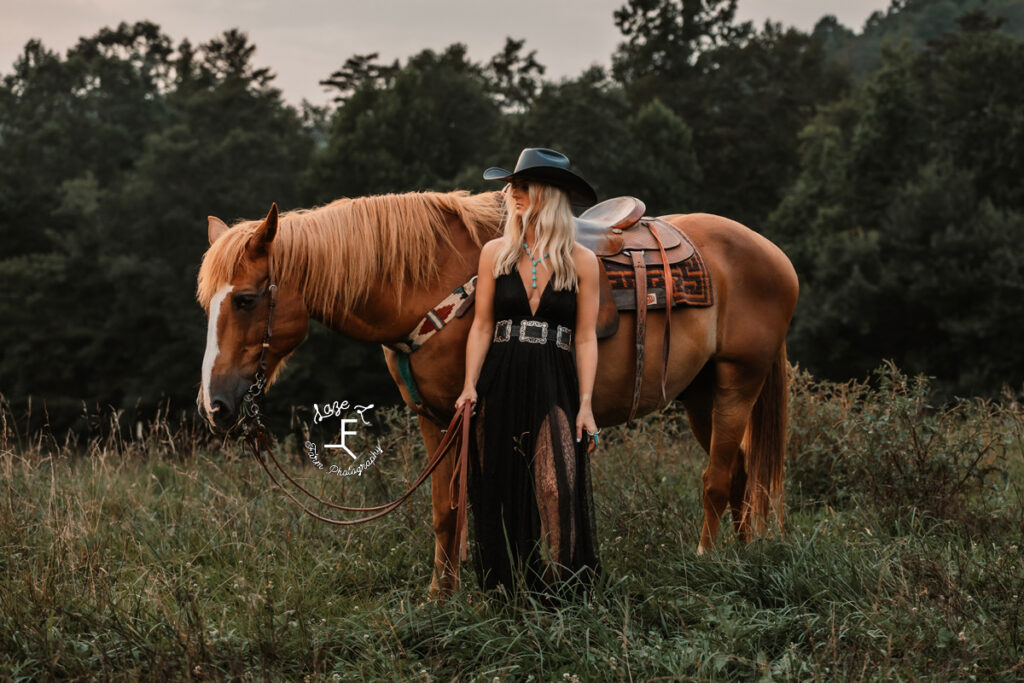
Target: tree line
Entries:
(885, 163)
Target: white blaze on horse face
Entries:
(212, 347)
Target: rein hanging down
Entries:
(258, 438)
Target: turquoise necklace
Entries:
(535, 262)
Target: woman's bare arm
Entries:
(482, 330)
(587, 302)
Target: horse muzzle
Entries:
(226, 394)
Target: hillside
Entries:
(914, 21)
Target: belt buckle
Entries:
(503, 331)
(562, 330)
(543, 331)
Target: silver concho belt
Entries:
(533, 332)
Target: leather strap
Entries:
(457, 491)
(641, 326)
(667, 272)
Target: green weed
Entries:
(161, 552)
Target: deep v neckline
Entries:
(526, 292)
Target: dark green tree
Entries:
(63, 118)
(747, 109)
(644, 151)
(514, 77)
(906, 220)
(744, 94)
(913, 22)
(666, 38)
(416, 129)
(358, 71)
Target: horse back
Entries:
(756, 286)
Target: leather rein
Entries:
(257, 437)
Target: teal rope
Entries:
(406, 372)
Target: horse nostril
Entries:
(221, 413)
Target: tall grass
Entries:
(164, 553)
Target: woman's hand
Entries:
(585, 421)
(468, 394)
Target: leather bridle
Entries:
(254, 394)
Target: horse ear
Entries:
(267, 231)
(215, 228)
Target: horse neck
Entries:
(384, 316)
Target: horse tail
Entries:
(764, 445)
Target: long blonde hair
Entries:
(554, 234)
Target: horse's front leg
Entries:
(445, 581)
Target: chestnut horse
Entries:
(371, 267)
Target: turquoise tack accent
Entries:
(406, 372)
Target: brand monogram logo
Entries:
(345, 441)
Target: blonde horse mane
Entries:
(340, 252)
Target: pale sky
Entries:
(303, 41)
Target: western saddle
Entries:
(616, 230)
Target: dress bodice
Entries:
(511, 300)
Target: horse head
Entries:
(245, 307)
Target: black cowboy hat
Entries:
(550, 167)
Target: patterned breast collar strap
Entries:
(453, 305)
(440, 315)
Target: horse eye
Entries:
(245, 302)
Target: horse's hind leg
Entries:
(698, 400)
(737, 497)
(736, 390)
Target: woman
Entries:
(536, 303)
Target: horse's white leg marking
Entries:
(212, 349)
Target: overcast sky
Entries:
(303, 41)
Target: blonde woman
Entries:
(532, 356)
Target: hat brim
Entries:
(495, 173)
(579, 190)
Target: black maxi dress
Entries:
(529, 483)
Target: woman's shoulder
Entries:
(583, 256)
(491, 245)
(489, 250)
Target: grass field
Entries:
(169, 555)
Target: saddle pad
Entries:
(691, 283)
